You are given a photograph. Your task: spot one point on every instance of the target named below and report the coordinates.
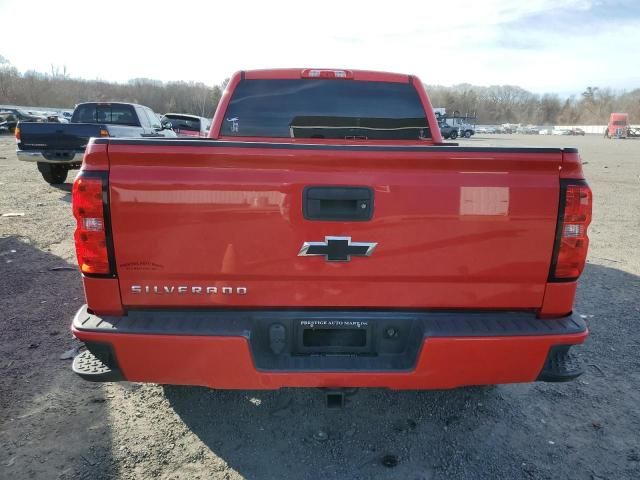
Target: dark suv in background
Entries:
(447, 131)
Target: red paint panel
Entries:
(571, 166)
(95, 157)
(103, 295)
(558, 299)
(225, 363)
(221, 109)
(436, 136)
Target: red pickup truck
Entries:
(325, 236)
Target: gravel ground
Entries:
(54, 425)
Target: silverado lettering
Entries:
(478, 250)
(182, 289)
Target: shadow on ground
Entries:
(52, 424)
(66, 189)
(573, 430)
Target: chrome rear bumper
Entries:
(53, 157)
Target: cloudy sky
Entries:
(544, 46)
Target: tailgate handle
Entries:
(342, 204)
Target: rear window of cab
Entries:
(115, 114)
(325, 108)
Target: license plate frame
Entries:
(328, 336)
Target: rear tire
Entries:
(53, 174)
(467, 134)
(453, 135)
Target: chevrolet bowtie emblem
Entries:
(337, 249)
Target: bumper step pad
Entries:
(91, 368)
(561, 366)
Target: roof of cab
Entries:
(296, 73)
(108, 103)
(188, 115)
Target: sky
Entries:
(557, 46)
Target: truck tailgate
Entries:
(212, 223)
(57, 136)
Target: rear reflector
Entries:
(319, 73)
(572, 242)
(91, 236)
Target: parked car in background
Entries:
(561, 131)
(448, 132)
(618, 126)
(528, 130)
(57, 118)
(8, 121)
(9, 118)
(186, 125)
(487, 129)
(466, 130)
(59, 147)
(576, 131)
(545, 131)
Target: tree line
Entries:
(58, 90)
(492, 105)
(499, 104)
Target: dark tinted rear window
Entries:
(105, 113)
(179, 122)
(325, 109)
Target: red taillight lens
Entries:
(17, 134)
(323, 73)
(91, 234)
(572, 241)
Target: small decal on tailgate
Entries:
(140, 266)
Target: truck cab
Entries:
(618, 126)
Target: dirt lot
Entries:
(54, 425)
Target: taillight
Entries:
(89, 199)
(572, 242)
(104, 132)
(323, 73)
(17, 133)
